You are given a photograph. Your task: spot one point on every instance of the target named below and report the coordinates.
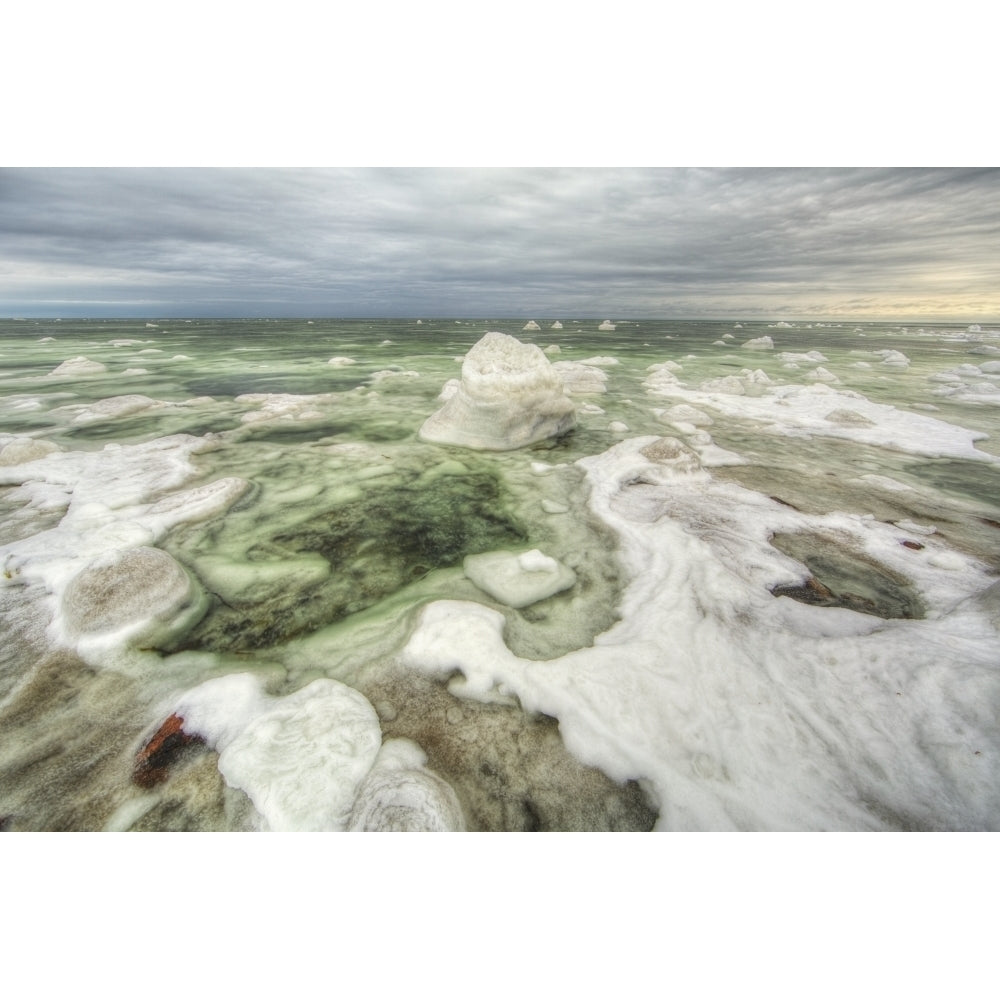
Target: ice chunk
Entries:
(554, 507)
(510, 396)
(847, 417)
(531, 325)
(581, 379)
(759, 344)
(606, 325)
(300, 758)
(810, 356)
(602, 361)
(518, 579)
(77, 366)
(401, 794)
(894, 359)
(140, 596)
(114, 407)
(686, 414)
(557, 325)
(340, 362)
(821, 374)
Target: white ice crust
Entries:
(314, 760)
(822, 410)
(109, 507)
(509, 397)
(737, 709)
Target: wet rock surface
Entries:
(162, 751)
(69, 768)
(509, 770)
(846, 579)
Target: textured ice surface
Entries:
(518, 579)
(75, 367)
(329, 545)
(140, 595)
(509, 397)
(740, 709)
(314, 760)
(581, 379)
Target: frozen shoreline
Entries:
(662, 651)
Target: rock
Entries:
(518, 580)
(509, 397)
(670, 452)
(849, 418)
(161, 751)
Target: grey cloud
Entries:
(491, 242)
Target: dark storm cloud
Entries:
(498, 242)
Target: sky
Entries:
(759, 242)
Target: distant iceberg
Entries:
(557, 325)
(531, 325)
(760, 344)
(606, 325)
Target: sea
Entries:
(754, 587)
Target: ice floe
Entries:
(518, 579)
(819, 409)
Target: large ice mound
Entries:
(510, 396)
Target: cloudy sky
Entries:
(768, 243)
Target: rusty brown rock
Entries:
(155, 758)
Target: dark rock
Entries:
(909, 544)
(166, 746)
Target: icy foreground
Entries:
(739, 710)
(258, 595)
